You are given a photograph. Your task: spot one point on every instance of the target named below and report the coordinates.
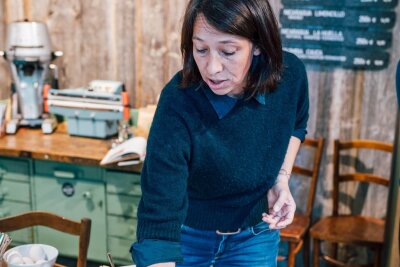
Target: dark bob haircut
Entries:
(252, 19)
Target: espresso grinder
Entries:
(29, 54)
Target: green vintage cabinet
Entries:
(15, 193)
(60, 173)
(109, 197)
(123, 195)
(73, 191)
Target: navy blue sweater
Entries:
(213, 172)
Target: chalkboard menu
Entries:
(341, 33)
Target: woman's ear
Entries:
(256, 51)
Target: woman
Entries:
(223, 142)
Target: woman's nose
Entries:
(214, 64)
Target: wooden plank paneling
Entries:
(174, 20)
(276, 6)
(95, 57)
(37, 9)
(153, 49)
(4, 72)
(14, 10)
(64, 22)
(124, 38)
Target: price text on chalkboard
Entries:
(343, 33)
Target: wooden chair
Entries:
(350, 229)
(36, 218)
(296, 234)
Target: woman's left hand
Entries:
(281, 204)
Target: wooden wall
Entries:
(137, 41)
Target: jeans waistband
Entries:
(234, 232)
(260, 227)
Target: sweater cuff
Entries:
(151, 251)
(300, 133)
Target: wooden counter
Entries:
(58, 146)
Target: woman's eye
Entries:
(201, 51)
(226, 53)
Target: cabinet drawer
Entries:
(23, 236)
(8, 208)
(122, 205)
(124, 227)
(123, 183)
(10, 190)
(73, 199)
(14, 169)
(66, 171)
(119, 249)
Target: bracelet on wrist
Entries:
(284, 172)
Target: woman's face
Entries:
(222, 59)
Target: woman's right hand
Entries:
(282, 204)
(163, 264)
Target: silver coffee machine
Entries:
(29, 54)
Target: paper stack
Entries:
(130, 152)
(5, 240)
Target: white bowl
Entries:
(51, 255)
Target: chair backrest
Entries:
(355, 175)
(317, 146)
(42, 218)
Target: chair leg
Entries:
(334, 250)
(291, 254)
(315, 252)
(306, 251)
(377, 257)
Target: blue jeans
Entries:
(255, 246)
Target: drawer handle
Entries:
(87, 195)
(64, 174)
